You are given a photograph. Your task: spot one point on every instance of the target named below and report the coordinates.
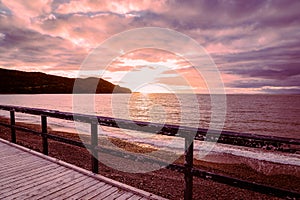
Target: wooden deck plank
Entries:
(34, 185)
(58, 181)
(7, 151)
(21, 165)
(4, 147)
(18, 159)
(23, 177)
(19, 170)
(96, 192)
(3, 157)
(115, 194)
(19, 182)
(78, 195)
(26, 174)
(135, 197)
(71, 189)
(52, 189)
(105, 193)
(19, 175)
(10, 155)
(80, 186)
(125, 196)
(28, 180)
(5, 169)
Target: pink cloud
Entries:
(121, 7)
(247, 40)
(119, 68)
(151, 55)
(26, 10)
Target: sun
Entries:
(152, 88)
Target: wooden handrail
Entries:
(188, 133)
(226, 137)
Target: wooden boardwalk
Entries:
(25, 174)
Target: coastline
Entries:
(163, 182)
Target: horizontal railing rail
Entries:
(188, 133)
(226, 137)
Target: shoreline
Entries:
(162, 181)
(174, 144)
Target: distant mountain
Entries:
(19, 82)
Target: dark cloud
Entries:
(275, 63)
(274, 71)
(292, 81)
(256, 41)
(220, 14)
(29, 47)
(281, 91)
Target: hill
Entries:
(19, 82)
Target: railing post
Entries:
(94, 144)
(44, 134)
(188, 164)
(12, 124)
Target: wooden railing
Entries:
(188, 133)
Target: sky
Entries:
(254, 44)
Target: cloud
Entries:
(255, 43)
(120, 68)
(121, 7)
(281, 90)
(21, 48)
(26, 10)
(292, 81)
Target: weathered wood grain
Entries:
(25, 174)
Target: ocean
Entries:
(277, 115)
